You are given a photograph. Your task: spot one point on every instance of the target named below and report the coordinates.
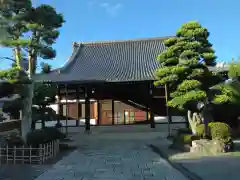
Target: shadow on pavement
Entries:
(30, 172)
(188, 174)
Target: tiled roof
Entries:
(219, 69)
(110, 61)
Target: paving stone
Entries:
(110, 159)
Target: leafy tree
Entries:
(234, 69)
(46, 68)
(184, 69)
(228, 97)
(10, 87)
(32, 31)
(229, 90)
(232, 86)
(44, 95)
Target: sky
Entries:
(96, 20)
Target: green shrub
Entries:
(185, 139)
(45, 135)
(200, 129)
(54, 133)
(14, 139)
(220, 131)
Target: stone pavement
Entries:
(113, 156)
(22, 171)
(213, 168)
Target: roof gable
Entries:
(111, 61)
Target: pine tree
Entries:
(185, 70)
(234, 69)
(32, 31)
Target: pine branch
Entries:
(7, 58)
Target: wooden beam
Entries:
(113, 112)
(152, 121)
(66, 108)
(78, 106)
(87, 109)
(59, 104)
(99, 112)
(168, 110)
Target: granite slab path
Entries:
(122, 155)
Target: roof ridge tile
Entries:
(107, 42)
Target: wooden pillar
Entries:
(99, 112)
(60, 105)
(87, 109)
(152, 121)
(147, 114)
(66, 108)
(113, 112)
(169, 116)
(78, 106)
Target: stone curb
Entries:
(178, 166)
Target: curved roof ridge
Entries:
(71, 58)
(75, 44)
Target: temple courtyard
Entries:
(123, 153)
(114, 153)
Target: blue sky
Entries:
(94, 20)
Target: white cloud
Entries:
(111, 9)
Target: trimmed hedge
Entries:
(200, 129)
(10, 125)
(41, 136)
(218, 131)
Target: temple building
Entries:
(111, 82)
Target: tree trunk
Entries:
(33, 125)
(207, 117)
(194, 120)
(27, 112)
(43, 119)
(17, 56)
(27, 105)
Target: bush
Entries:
(200, 129)
(220, 131)
(14, 139)
(185, 139)
(41, 136)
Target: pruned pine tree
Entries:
(33, 31)
(185, 70)
(234, 69)
(44, 95)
